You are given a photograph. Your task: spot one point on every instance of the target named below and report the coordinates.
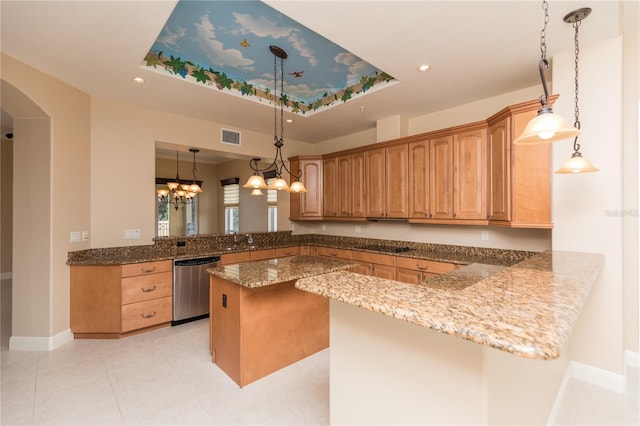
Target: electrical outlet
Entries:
(75, 237)
(85, 235)
(485, 235)
(324, 227)
(131, 234)
(358, 229)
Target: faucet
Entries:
(237, 239)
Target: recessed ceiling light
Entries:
(289, 120)
(138, 80)
(424, 67)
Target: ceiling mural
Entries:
(224, 45)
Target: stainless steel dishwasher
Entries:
(191, 288)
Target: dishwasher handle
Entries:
(196, 261)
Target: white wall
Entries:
(585, 205)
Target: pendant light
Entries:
(547, 126)
(256, 181)
(577, 163)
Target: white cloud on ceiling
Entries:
(215, 50)
(261, 27)
(357, 67)
(301, 46)
(169, 38)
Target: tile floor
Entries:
(166, 377)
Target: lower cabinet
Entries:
(378, 265)
(110, 301)
(416, 271)
(335, 253)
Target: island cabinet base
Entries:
(386, 371)
(256, 331)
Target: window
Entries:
(172, 221)
(231, 205)
(272, 206)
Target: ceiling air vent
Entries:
(231, 137)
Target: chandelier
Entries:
(546, 126)
(256, 181)
(577, 163)
(180, 192)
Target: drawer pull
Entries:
(148, 290)
(333, 254)
(148, 271)
(422, 268)
(148, 316)
(288, 253)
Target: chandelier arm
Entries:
(254, 165)
(542, 66)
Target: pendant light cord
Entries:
(544, 64)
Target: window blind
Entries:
(231, 194)
(272, 194)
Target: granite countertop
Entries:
(268, 272)
(528, 309)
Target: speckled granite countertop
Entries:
(267, 272)
(528, 309)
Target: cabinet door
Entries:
(500, 170)
(307, 205)
(397, 180)
(356, 188)
(362, 268)
(470, 175)
(384, 271)
(419, 179)
(408, 276)
(374, 182)
(343, 186)
(441, 177)
(330, 189)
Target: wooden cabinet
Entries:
(307, 205)
(308, 251)
(386, 182)
(470, 175)
(265, 254)
(416, 271)
(335, 253)
(357, 185)
(441, 177)
(448, 176)
(343, 178)
(344, 186)
(520, 175)
(378, 265)
(419, 180)
(233, 258)
(330, 188)
(110, 301)
(287, 251)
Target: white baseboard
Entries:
(598, 376)
(632, 359)
(6, 275)
(19, 343)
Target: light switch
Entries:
(75, 237)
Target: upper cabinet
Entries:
(520, 175)
(386, 182)
(470, 174)
(448, 176)
(307, 205)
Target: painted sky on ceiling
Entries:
(225, 45)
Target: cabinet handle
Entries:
(454, 215)
(148, 271)
(147, 290)
(148, 316)
(333, 254)
(422, 268)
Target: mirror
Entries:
(207, 214)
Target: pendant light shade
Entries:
(256, 192)
(577, 164)
(297, 187)
(255, 181)
(546, 127)
(279, 184)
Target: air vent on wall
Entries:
(231, 137)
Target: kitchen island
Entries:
(260, 322)
(483, 344)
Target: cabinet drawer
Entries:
(232, 258)
(287, 251)
(134, 269)
(333, 252)
(379, 259)
(146, 287)
(425, 265)
(263, 254)
(145, 314)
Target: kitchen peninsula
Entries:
(394, 361)
(260, 322)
